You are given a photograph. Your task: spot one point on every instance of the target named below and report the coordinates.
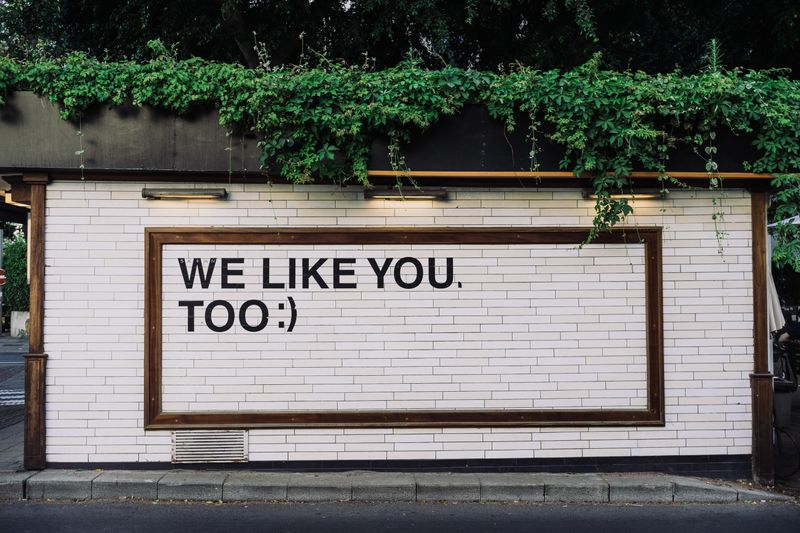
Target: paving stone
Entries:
(61, 485)
(322, 487)
(191, 485)
(696, 491)
(575, 488)
(448, 486)
(255, 486)
(139, 484)
(752, 495)
(512, 487)
(639, 489)
(383, 487)
(12, 485)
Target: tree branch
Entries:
(234, 21)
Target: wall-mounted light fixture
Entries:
(184, 194)
(639, 195)
(411, 193)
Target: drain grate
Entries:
(210, 446)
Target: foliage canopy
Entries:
(649, 35)
(15, 262)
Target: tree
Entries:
(15, 263)
(652, 35)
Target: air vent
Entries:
(210, 446)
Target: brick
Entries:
(388, 487)
(12, 485)
(639, 489)
(512, 487)
(319, 487)
(191, 485)
(575, 488)
(126, 484)
(448, 487)
(696, 491)
(255, 486)
(61, 485)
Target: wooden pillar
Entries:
(761, 378)
(36, 359)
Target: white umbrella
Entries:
(795, 220)
(774, 312)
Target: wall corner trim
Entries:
(36, 359)
(761, 378)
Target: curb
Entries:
(203, 485)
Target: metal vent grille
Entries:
(210, 446)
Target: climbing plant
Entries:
(315, 122)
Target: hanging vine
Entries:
(317, 122)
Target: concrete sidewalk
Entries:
(236, 486)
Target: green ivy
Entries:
(317, 122)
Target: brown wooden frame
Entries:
(156, 238)
(540, 174)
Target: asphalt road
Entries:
(12, 380)
(21, 517)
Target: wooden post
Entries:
(761, 378)
(36, 359)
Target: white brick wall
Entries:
(530, 327)
(94, 327)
